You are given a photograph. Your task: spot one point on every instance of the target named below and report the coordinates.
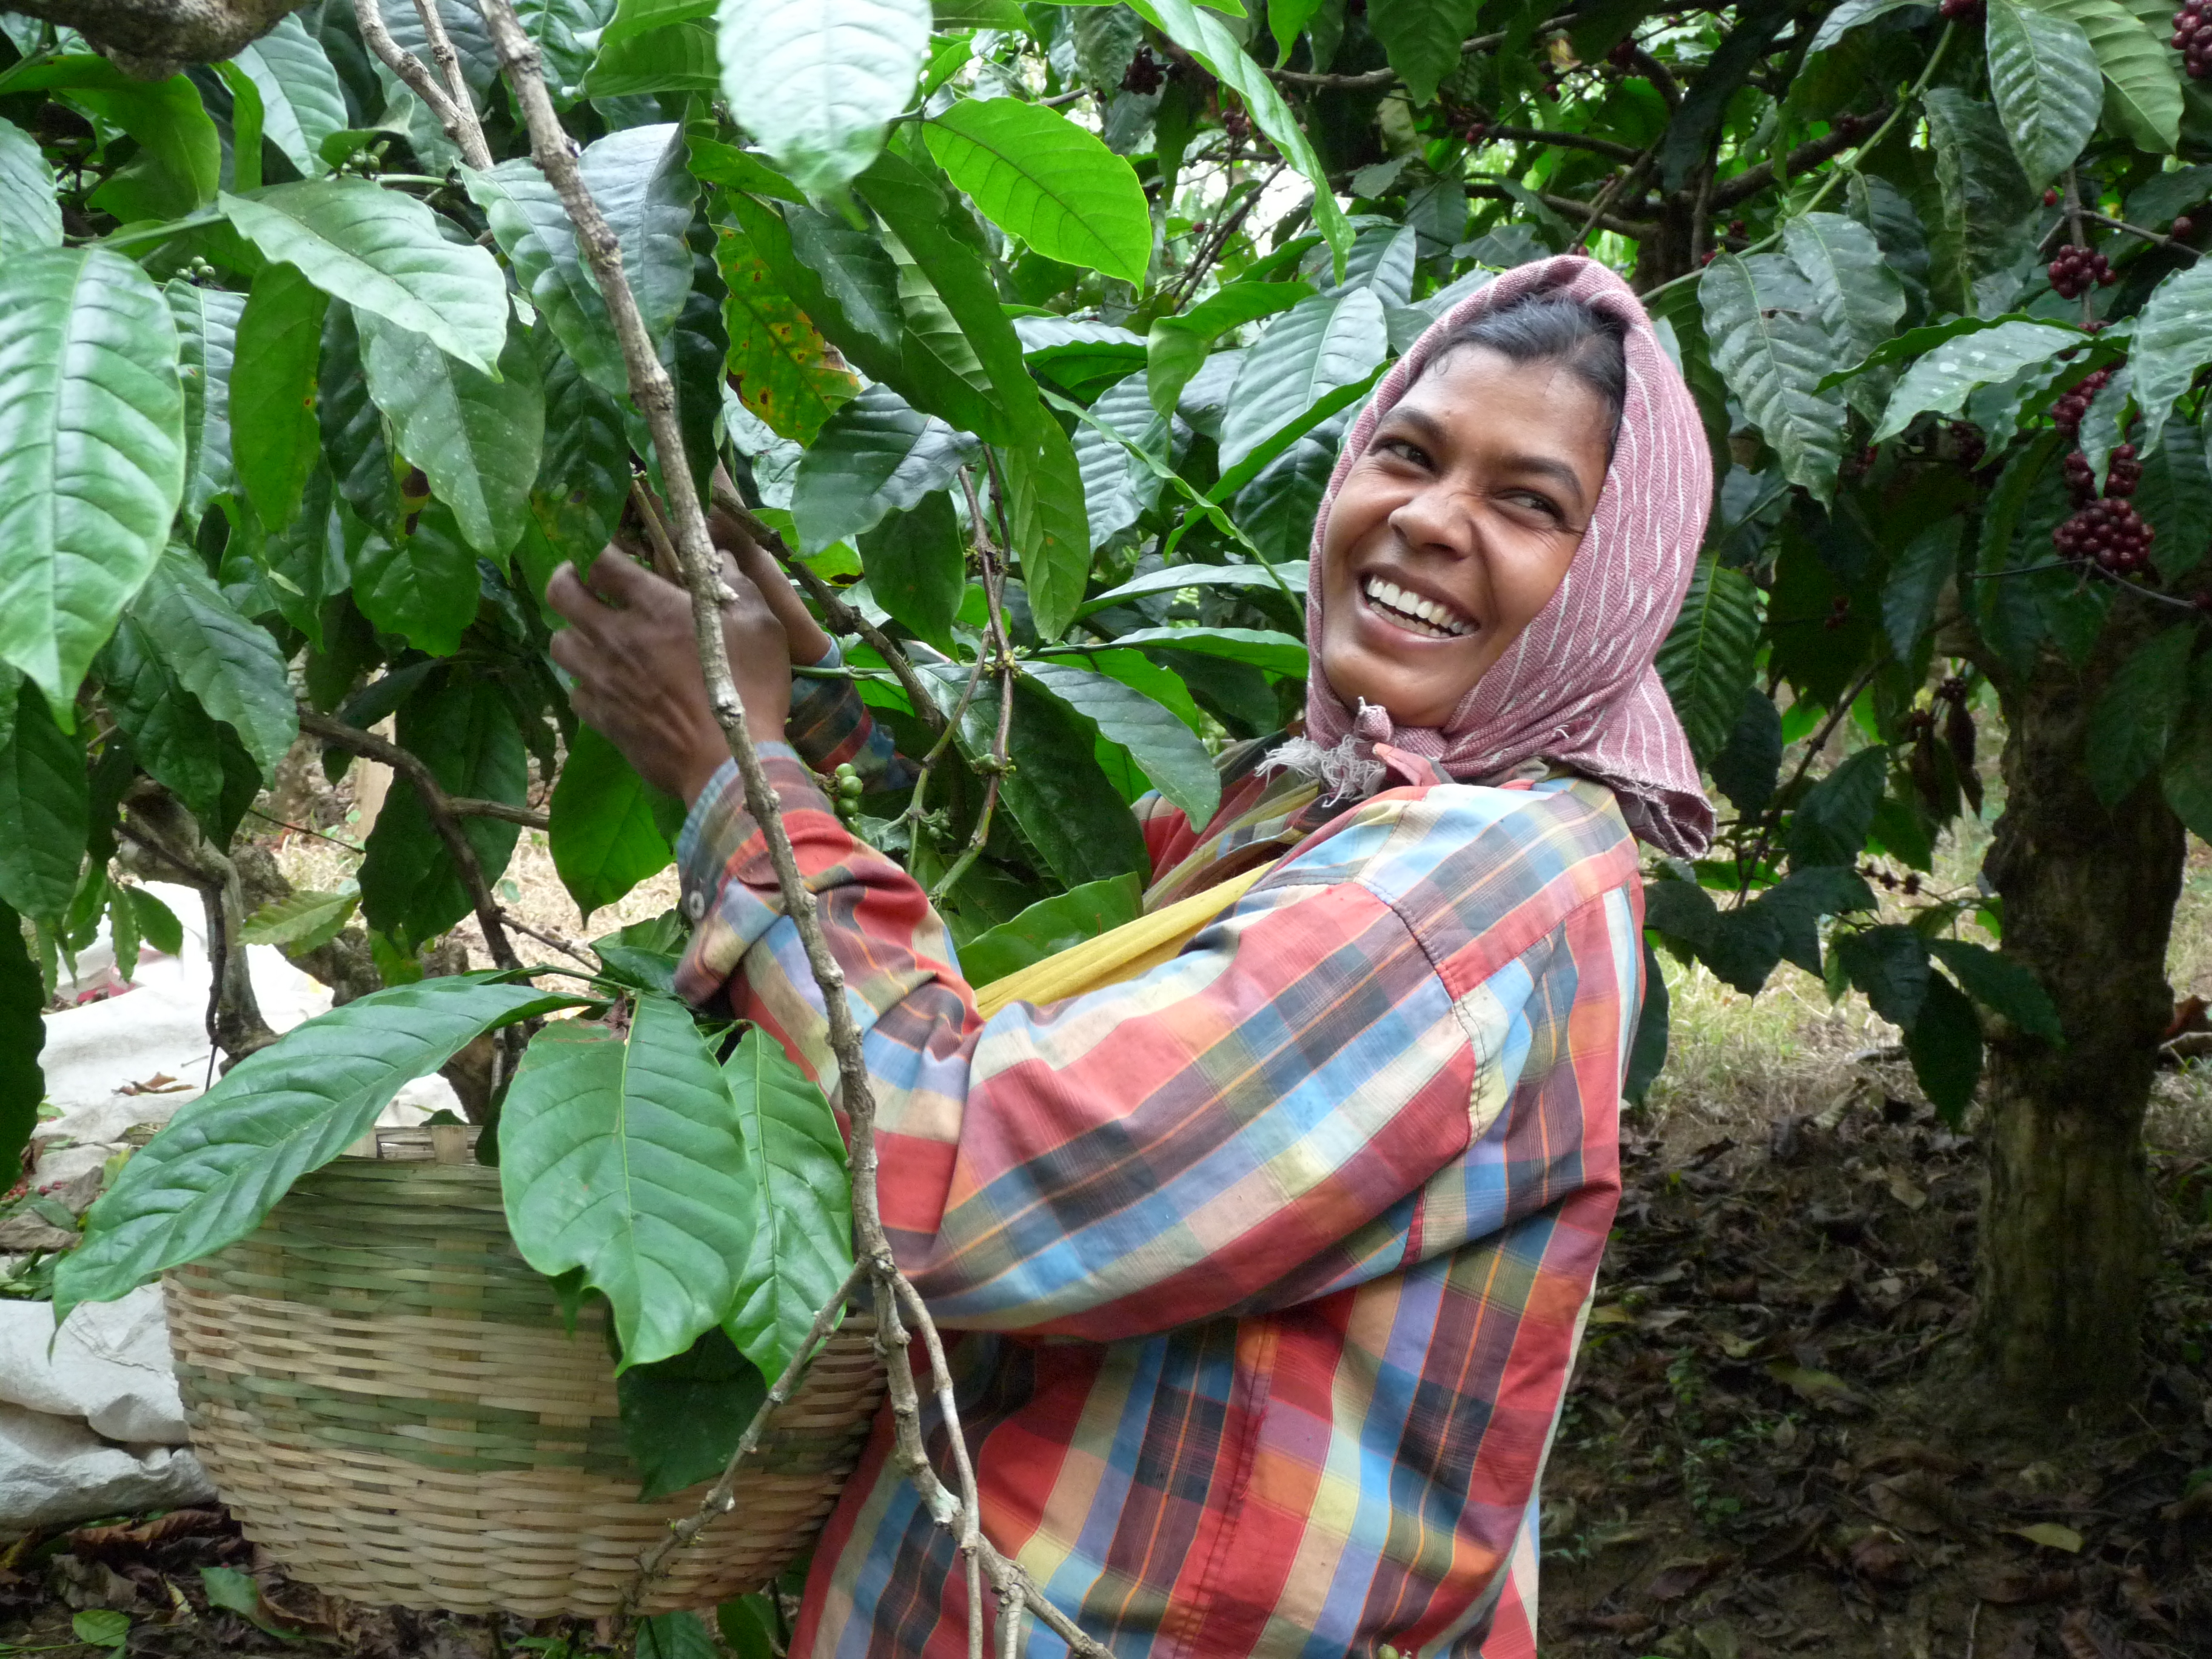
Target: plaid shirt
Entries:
(1272, 1262)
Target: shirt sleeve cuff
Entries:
(714, 830)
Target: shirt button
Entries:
(694, 904)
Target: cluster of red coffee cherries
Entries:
(1145, 74)
(2192, 37)
(2066, 414)
(2122, 472)
(2112, 534)
(2076, 269)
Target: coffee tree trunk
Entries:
(2089, 891)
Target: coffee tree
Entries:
(1023, 335)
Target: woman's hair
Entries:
(1550, 328)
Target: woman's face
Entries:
(1455, 529)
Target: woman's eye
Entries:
(1543, 504)
(1405, 450)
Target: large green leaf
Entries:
(563, 30)
(1160, 743)
(621, 1155)
(802, 1227)
(1850, 16)
(1831, 823)
(1986, 200)
(175, 740)
(478, 440)
(1945, 1045)
(465, 27)
(23, 1035)
(682, 57)
(1856, 293)
(816, 81)
(223, 1161)
(1889, 962)
(1172, 578)
(779, 366)
(2047, 86)
(30, 217)
(383, 254)
(635, 17)
(352, 425)
(1210, 40)
(2187, 775)
(1762, 317)
(583, 477)
(1177, 346)
(302, 102)
(1046, 518)
(917, 568)
(207, 333)
(2129, 724)
(1277, 509)
(275, 440)
(1941, 382)
(1320, 346)
(603, 834)
(1116, 487)
(306, 921)
(1916, 583)
(638, 178)
(1037, 175)
(418, 580)
(877, 454)
(180, 155)
(43, 810)
(2144, 90)
(92, 453)
(2000, 984)
(682, 1417)
(2175, 495)
(2174, 340)
(1051, 926)
(1422, 38)
(1706, 661)
(1278, 654)
(231, 666)
(462, 726)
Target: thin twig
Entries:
(441, 809)
(2138, 230)
(467, 135)
(998, 650)
(1384, 77)
(1618, 182)
(456, 84)
(2080, 238)
(566, 947)
(1187, 283)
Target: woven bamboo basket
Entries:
(394, 1405)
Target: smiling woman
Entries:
(1270, 1254)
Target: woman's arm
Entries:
(1250, 1125)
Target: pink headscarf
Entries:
(1577, 687)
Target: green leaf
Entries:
(816, 81)
(306, 921)
(2129, 724)
(1706, 661)
(1647, 1055)
(682, 57)
(1945, 1044)
(635, 17)
(1831, 823)
(620, 1154)
(802, 1230)
(877, 454)
(102, 1627)
(352, 425)
(1882, 209)
(1078, 355)
(682, 1417)
(1889, 962)
(2187, 775)
(561, 28)
(44, 814)
(382, 253)
(583, 477)
(2174, 340)
(419, 580)
(1117, 488)
(2175, 494)
(92, 453)
(1051, 926)
(479, 439)
(1037, 175)
(916, 568)
(157, 922)
(779, 365)
(1854, 289)
(2143, 96)
(1160, 743)
(1422, 38)
(749, 1626)
(2047, 86)
(674, 1635)
(222, 1162)
(1173, 577)
(23, 1035)
(462, 726)
(1850, 14)
(180, 155)
(302, 102)
(1793, 906)
(1262, 647)
(1321, 346)
(1277, 508)
(172, 737)
(1177, 346)
(2002, 985)
(1916, 583)
(1761, 317)
(604, 836)
(275, 440)
(1220, 50)
(1046, 520)
(30, 216)
(231, 665)
(1940, 382)
(1750, 764)
(207, 332)
(1986, 199)
(465, 27)
(638, 177)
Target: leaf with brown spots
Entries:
(779, 363)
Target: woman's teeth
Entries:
(1411, 610)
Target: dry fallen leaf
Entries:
(2050, 1536)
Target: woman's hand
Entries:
(635, 661)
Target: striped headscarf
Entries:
(1577, 687)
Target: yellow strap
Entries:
(1120, 953)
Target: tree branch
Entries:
(152, 39)
(456, 85)
(1384, 77)
(467, 134)
(1742, 186)
(998, 652)
(441, 809)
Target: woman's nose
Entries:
(1436, 519)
